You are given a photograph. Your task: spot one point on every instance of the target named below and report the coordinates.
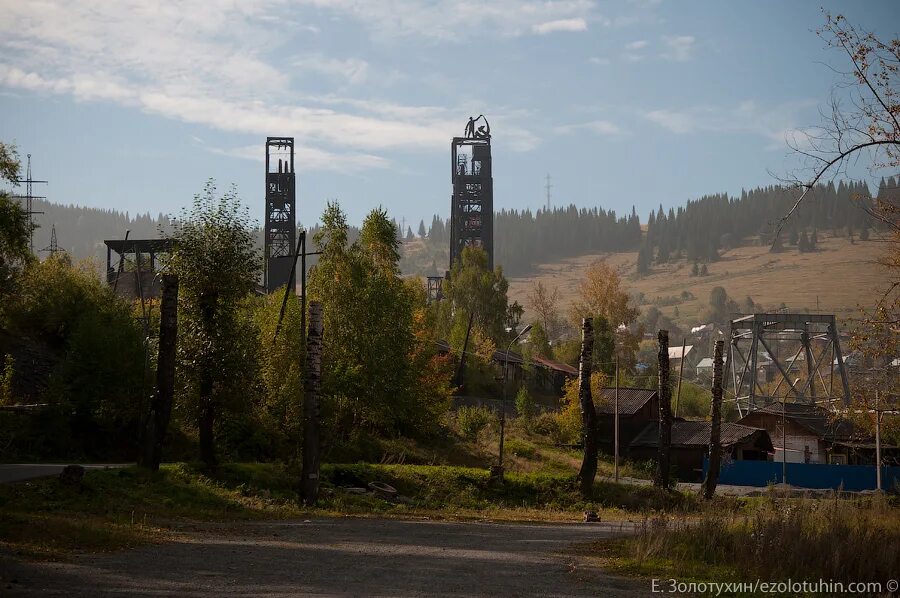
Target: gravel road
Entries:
(338, 557)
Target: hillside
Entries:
(841, 275)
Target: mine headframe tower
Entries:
(472, 203)
(769, 352)
(281, 212)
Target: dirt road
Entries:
(339, 557)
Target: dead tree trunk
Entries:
(665, 413)
(715, 435)
(161, 407)
(588, 413)
(309, 482)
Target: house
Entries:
(550, 376)
(676, 354)
(705, 367)
(637, 408)
(810, 433)
(690, 445)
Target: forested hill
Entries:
(697, 231)
(80, 231)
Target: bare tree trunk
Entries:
(161, 407)
(665, 412)
(309, 482)
(715, 435)
(588, 413)
(207, 414)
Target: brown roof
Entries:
(817, 420)
(696, 433)
(630, 400)
(554, 365)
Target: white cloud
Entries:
(598, 60)
(773, 123)
(637, 45)
(218, 63)
(353, 70)
(578, 24)
(677, 122)
(311, 158)
(679, 48)
(599, 127)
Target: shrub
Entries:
(470, 421)
(525, 405)
(521, 448)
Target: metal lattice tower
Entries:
(790, 349)
(53, 248)
(281, 217)
(29, 198)
(472, 203)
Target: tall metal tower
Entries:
(29, 198)
(53, 248)
(281, 217)
(472, 203)
(547, 187)
(785, 357)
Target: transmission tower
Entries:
(53, 248)
(281, 219)
(29, 198)
(547, 187)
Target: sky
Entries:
(132, 105)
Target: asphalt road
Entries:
(339, 557)
(17, 472)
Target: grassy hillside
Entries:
(843, 276)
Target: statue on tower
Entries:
(481, 132)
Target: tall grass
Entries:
(832, 539)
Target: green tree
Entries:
(538, 341)
(474, 289)
(14, 230)
(217, 264)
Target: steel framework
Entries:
(472, 203)
(758, 345)
(281, 216)
(434, 289)
(29, 198)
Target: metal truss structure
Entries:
(280, 233)
(472, 203)
(435, 289)
(28, 199)
(769, 352)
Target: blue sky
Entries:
(132, 105)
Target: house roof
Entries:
(675, 352)
(706, 362)
(554, 365)
(630, 400)
(514, 358)
(696, 434)
(817, 420)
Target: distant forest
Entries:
(697, 231)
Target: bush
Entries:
(470, 421)
(521, 448)
(525, 404)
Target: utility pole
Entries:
(547, 187)
(588, 414)
(877, 444)
(783, 445)
(665, 413)
(715, 434)
(680, 376)
(29, 202)
(309, 478)
(616, 420)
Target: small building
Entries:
(550, 376)
(705, 367)
(690, 445)
(676, 354)
(133, 273)
(809, 434)
(637, 408)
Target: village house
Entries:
(690, 446)
(637, 408)
(809, 434)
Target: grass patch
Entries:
(772, 539)
(120, 508)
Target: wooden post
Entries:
(680, 376)
(309, 483)
(665, 413)
(877, 444)
(715, 434)
(588, 413)
(161, 406)
(616, 423)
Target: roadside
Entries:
(328, 557)
(17, 472)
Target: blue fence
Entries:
(805, 475)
